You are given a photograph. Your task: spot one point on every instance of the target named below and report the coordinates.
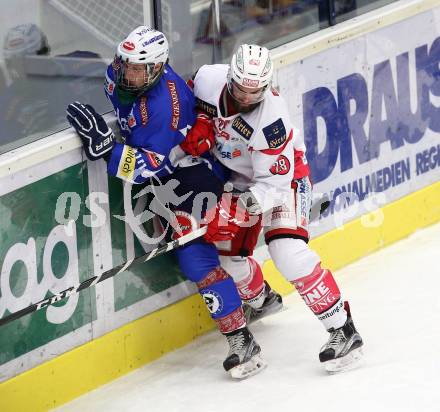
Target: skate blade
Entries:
(348, 362)
(249, 368)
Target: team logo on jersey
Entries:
(275, 134)
(250, 82)
(219, 126)
(128, 45)
(254, 62)
(155, 159)
(131, 120)
(184, 224)
(236, 153)
(175, 104)
(109, 86)
(143, 110)
(242, 128)
(281, 166)
(206, 107)
(127, 164)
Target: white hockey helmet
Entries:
(250, 73)
(145, 51)
(20, 41)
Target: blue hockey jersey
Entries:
(153, 128)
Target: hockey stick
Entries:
(322, 205)
(105, 275)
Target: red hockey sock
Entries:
(321, 294)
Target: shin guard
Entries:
(321, 294)
(222, 300)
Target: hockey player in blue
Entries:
(155, 111)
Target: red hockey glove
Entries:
(200, 138)
(225, 220)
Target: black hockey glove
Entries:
(97, 137)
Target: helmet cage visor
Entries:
(246, 95)
(135, 77)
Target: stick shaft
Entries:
(105, 275)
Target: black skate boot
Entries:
(344, 347)
(273, 302)
(244, 357)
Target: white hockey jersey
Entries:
(257, 146)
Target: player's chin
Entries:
(246, 108)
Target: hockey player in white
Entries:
(255, 139)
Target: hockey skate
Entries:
(244, 357)
(273, 302)
(343, 350)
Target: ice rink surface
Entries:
(395, 301)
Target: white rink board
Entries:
(380, 95)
